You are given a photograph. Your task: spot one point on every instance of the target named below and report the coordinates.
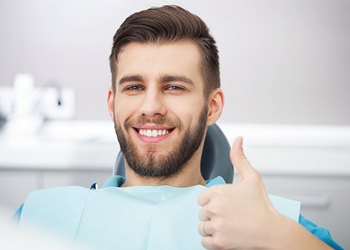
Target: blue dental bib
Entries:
(142, 217)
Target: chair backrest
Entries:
(215, 158)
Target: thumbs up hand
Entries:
(237, 216)
(241, 216)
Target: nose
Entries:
(153, 103)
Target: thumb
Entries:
(239, 160)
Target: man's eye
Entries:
(134, 88)
(172, 87)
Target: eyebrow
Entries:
(164, 79)
(169, 78)
(132, 78)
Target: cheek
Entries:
(188, 114)
(119, 112)
(190, 102)
(124, 110)
(128, 104)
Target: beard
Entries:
(149, 165)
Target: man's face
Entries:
(160, 112)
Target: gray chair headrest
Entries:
(215, 158)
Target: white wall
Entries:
(282, 61)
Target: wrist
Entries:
(278, 232)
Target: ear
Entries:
(215, 105)
(110, 102)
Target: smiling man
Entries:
(165, 94)
(160, 108)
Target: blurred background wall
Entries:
(281, 61)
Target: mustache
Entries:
(157, 120)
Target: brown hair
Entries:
(169, 23)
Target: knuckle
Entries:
(216, 190)
(256, 178)
(210, 209)
(214, 226)
(242, 156)
(221, 191)
(217, 226)
(218, 223)
(202, 198)
(218, 243)
(207, 242)
(214, 208)
(204, 214)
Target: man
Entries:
(165, 93)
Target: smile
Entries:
(153, 135)
(153, 132)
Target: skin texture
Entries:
(162, 83)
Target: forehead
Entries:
(160, 58)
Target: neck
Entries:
(190, 175)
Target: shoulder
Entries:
(51, 199)
(56, 195)
(62, 195)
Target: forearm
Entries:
(290, 234)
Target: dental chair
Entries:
(215, 158)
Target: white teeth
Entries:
(153, 132)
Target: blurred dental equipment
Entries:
(24, 107)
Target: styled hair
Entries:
(166, 24)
